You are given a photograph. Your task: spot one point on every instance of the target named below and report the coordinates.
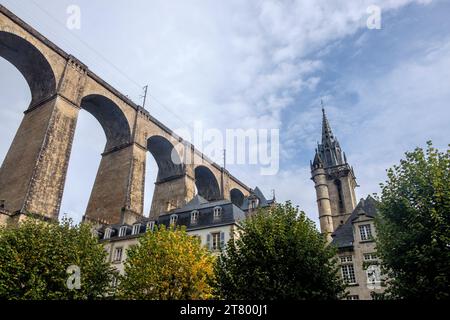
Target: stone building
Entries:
(214, 223)
(347, 225)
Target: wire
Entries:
(126, 76)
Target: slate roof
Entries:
(263, 202)
(198, 202)
(230, 214)
(343, 236)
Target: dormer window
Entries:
(253, 203)
(194, 216)
(217, 213)
(150, 225)
(108, 233)
(173, 219)
(365, 232)
(123, 231)
(136, 228)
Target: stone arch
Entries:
(166, 157)
(206, 183)
(110, 117)
(237, 197)
(31, 63)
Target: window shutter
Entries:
(208, 241)
(222, 240)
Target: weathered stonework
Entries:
(33, 173)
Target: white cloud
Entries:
(225, 63)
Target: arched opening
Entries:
(163, 166)
(101, 128)
(207, 184)
(151, 176)
(88, 144)
(237, 197)
(26, 78)
(110, 117)
(31, 63)
(166, 157)
(15, 97)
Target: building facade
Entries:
(214, 223)
(348, 225)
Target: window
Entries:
(114, 282)
(108, 233)
(216, 241)
(194, 217)
(253, 203)
(123, 231)
(173, 219)
(348, 273)
(366, 232)
(346, 259)
(136, 228)
(118, 255)
(338, 184)
(353, 297)
(373, 274)
(217, 213)
(370, 256)
(150, 225)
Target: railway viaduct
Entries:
(33, 174)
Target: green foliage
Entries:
(34, 258)
(167, 264)
(279, 255)
(414, 226)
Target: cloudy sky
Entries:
(257, 64)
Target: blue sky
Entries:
(257, 64)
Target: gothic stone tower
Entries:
(334, 181)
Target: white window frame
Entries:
(216, 244)
(346, 259)
(348, 274)
(370, 256)
(118, 253)
(136, 229)
(365, 232)
(150, 226)
(215, 241)
(195, 216)
(123, 231)
(254, 203)
(114, 281)
(173, 219)
(217, 213)
(108, 232)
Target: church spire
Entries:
(327, 133)
(334, 181)
(329, 150)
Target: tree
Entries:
(413, 226)
(35, 258)
(167, 264)
(278, 255)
